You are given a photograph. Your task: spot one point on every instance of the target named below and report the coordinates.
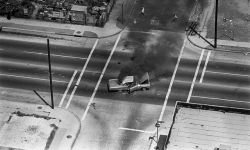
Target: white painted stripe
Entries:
(81, 74)
(100, 78)
(205, 66)
(16, 76)
(136, 130)
(28, 30)
(195, 76)
(55, 55)
(221, 99)
(172, 80)
(67, 89)
(231, 74)
(169, 89)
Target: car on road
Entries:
(129, 84)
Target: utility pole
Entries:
(50, 76)
(215, 23)
(122, 12)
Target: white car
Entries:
(129, 84)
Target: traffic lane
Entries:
(216, 66)
(101, 126)
(22, 69)
(37, 84)
(23, 46)
(227, 79)
(155, 95)
(221, 91)
(103, 48)
(228, 67)
(187, 74)
(220, 102)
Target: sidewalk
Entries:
(28, 126)
(43, 28)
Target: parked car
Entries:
(129, 84)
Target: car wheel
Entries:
(108, 88)
(144, 89)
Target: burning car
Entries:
(129, 84)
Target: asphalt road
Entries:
(225, 82)
(24, 65)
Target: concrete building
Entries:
(78, 14)
(206, 127)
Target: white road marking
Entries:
(28, 30)
(136, 130)
(232, 74)
(205, 66)
(81, 74)
(172, 81)
(195, 76)
(169, 89)
(100, 78)
(67, 89)
(221, 99)
(54, 55)
(16, 76)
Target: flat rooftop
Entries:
(205, 127)
(26, 126)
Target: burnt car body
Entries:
(129, 84)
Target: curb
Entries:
(219, 47)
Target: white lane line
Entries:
(100, 78)
(221, 99)
(205, 66)
(81, 74)
(55, 55)
(172, 81)
(67, 89)
(195, 76)
(224, 73)
(28, 30)
(169, 89)
(136, 130)
(16, 76)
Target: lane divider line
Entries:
(67, 89)
(169, 88)
(220, 99)
(195, 76)
(100, 78)
(205, 66)
(172, 81)
(224, 73)
(81, 74)
(136, 130)
(16, 76)
(55, 55)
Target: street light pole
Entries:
(122, 12)
(215, 23)
(50, 76)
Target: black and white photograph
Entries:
(124, 74)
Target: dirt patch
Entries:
(233, 21)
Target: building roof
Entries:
(204, 127)
(79, 8)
